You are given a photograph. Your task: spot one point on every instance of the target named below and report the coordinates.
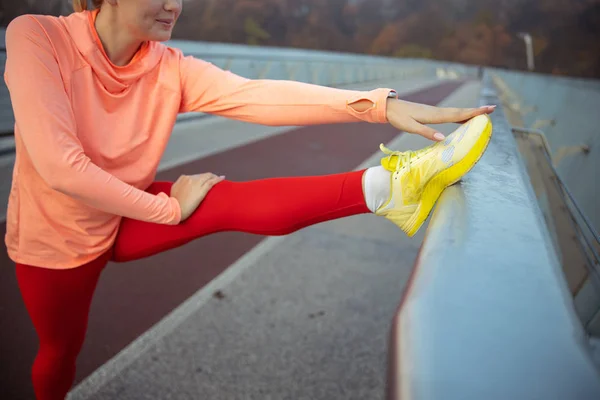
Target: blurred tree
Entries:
(413, 51)
(367, 22)
(566, 33)
(255, 34)
(10, 9)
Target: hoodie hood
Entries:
(115, 79)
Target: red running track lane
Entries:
(132, 297)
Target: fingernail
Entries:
(222, 177)
(439, 136)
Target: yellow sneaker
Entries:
(419, 177)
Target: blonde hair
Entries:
(82, 5)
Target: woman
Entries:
(95, 96)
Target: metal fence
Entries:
(317, 67)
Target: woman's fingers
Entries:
(409, 125)
(412, 117)
(209, 183)
(444, 115)
(203, 183)
(207, 180)
(191, 190)
(200, 179)
(427, 114)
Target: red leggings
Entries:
(58, 301)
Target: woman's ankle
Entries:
(376, 187)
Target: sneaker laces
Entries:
(403, 157)
(413, 178)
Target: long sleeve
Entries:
(209, 89)
(47, 128)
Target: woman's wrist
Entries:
(392, 97)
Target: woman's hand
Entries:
(410, 117)
(189, 191)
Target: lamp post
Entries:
(529, 48)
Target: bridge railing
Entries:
(556, 126)
(487, 313)
(318, 67)
(324, 68)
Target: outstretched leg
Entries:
(403, 189)
(276, 206)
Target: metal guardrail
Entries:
(487, 313)
(585, 219)
(565, 107)
(581, 231)
(316, 67)
(223, 51)
(310, 66)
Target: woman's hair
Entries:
(81, 5)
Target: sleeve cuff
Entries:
(171, 210)
(377, 113)
(176, 211)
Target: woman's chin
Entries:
(160, 38)
(160, 35)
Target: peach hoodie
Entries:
(90, 134)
